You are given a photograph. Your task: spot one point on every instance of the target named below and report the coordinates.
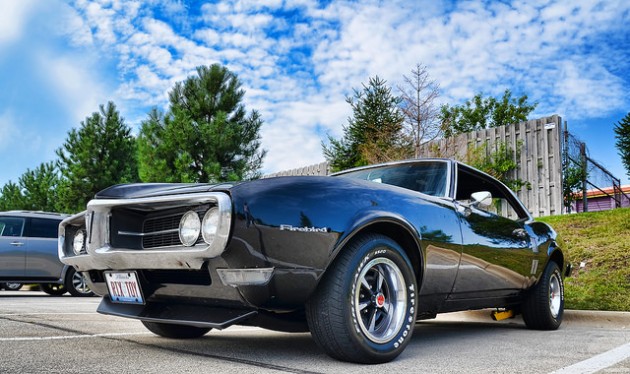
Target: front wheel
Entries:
(364, 309)
(173, 331)
(544, 305)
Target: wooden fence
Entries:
(539, 160)
(318, 169)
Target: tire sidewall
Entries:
(370, 250)
(555, 270)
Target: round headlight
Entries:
(210, 224)
(189, 228)
(78, 242)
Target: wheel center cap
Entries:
(380, 300)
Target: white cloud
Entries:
(13, 17)
(298, 70)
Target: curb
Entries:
(587, 318)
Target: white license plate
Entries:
(124, 287)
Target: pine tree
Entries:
(99, 154)
(36, 190)
(206, 136)
(622, 134)
(374, 132)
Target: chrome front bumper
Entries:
(100, 254)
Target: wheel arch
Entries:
(555, 254)
(398, 230)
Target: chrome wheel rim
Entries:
(555, 295)
(79, 283)
(380, 300)
(12, 285)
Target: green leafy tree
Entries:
(374, 131)
(206, 136)
(480, 113)
(573, 175)
(500, 163)
(622, 136)
(99, 154)
(36, 190)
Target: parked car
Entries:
(356, 258)
(29, 254)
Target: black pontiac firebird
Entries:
(356, 258)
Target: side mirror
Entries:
(481, 199)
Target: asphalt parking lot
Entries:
(39, 333)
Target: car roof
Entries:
(33, 214)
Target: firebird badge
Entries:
(303, 229)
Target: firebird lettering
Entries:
(303, 229)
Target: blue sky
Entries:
(298, 60)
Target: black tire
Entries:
(12, 286)
(53, 289)
(173, 331)
(364, 309)
(544, 305)
(76, 284)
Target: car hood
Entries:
(136, 190)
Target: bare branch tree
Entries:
(421, 114)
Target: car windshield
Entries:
(428, 177)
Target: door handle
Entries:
(520, 233)
(17, 244)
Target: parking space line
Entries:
(43, 314)
(599, 362)
(63, 337)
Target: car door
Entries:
(13, 247)
(498, 255)
(42, 258)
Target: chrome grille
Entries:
(161, 240)
(163, 231)
(161, 223)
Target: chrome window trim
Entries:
(448, 162)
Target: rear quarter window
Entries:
(43, 228)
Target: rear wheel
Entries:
(53, 289)
(11, 286)
(544, 306)
(173, 331)
(364, 309)
(76, 284)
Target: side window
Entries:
(11, 226)
(44, 228)
(470, 181)
(501, 207)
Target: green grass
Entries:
(598, 246)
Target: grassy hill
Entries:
(598, 246)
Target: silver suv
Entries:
(28, 254)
